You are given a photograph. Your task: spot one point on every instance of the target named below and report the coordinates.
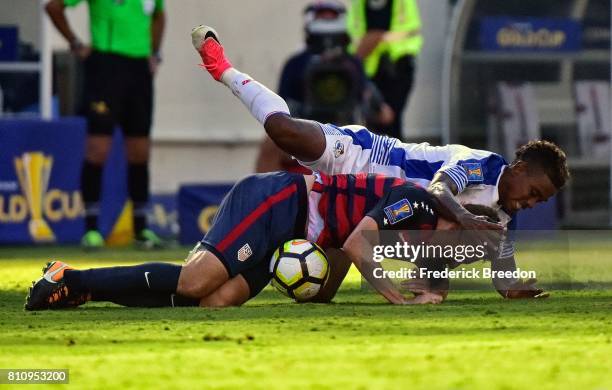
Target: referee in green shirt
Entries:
(119, 67)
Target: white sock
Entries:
(260, 101)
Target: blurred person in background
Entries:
(386, 35)
(120, 64)
(324, 82)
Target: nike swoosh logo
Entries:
(50, 275)
(147, 279)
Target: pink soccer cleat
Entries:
(206, 42)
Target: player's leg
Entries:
(100, 107)
(97, 147)
(240, 288)
(137, 153)
(62, 286)
(193, 284)
(234, 292)
(300, 138)
(136, 121)
(259, 214)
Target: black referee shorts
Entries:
(118, 92)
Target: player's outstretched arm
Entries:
(514, 288)
(359, 250)
(300, 138)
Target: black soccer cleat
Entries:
(51, 292)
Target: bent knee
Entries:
(97, 150)
(192, 289)
(279, 125)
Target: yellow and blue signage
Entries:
(197, 207)
(529, 34)
(40, 170)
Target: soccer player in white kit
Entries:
(455, 174)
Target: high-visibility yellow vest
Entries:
(403, 38)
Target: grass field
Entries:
(474, 340)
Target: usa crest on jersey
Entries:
(245, 252)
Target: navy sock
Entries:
(125, 281)
(91, 188)
(138, 190)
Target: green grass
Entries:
(474, 340)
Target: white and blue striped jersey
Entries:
(353, 149)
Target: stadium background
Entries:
(202, 135)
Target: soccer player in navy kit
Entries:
(231, 263)
(455, 174)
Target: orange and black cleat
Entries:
(51, 292)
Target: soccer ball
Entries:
(299, 269)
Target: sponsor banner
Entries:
(40, 170)
(529, 34)
(162, 216)
(197, 207)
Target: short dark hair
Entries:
(478, 209)
(548, 157)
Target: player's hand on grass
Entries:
(425, 298)
(415, 286)
(422, 286)
(525, 289)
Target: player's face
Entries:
(523, 189)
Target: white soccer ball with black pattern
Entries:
(299, 269)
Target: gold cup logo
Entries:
(33, 171)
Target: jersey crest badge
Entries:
(474, 172)
(338, 149)
(245, 252)
(398, 211)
